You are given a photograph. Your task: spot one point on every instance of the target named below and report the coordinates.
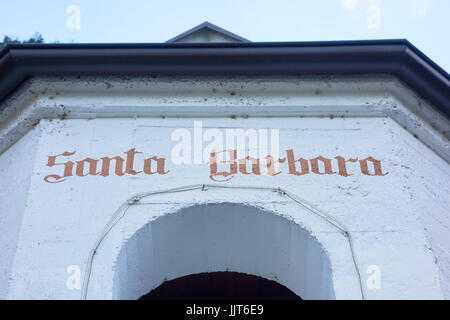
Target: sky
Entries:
(425, 23)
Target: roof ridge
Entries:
(210, 26)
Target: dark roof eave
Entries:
(396, 57)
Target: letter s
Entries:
(68, 167)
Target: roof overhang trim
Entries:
(397, 57)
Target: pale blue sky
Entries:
(425, 23)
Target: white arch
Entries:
(221, 236)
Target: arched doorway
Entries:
(220, 286)
(222, 237)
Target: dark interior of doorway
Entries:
(220, 286)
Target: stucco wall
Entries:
(399, 221)
(16, 168)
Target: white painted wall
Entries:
(16, 168)
(399, 222)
